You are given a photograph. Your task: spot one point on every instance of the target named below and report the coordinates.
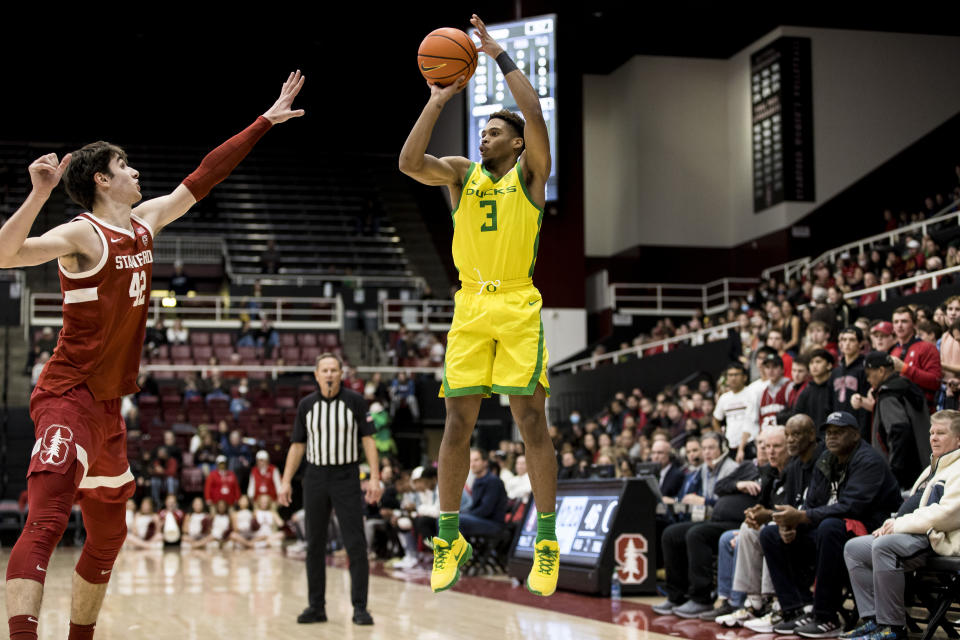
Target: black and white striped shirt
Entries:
(332, 428)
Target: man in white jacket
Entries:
(925, 524)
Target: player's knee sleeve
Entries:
(50, 498)
(106, 527)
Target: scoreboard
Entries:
(782, 123)
(531, 43)
(583, 522)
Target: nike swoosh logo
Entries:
(31, 619)
(105, 572)
(447, 517)
(39, 568)
(546, 515)
(425, 68)
(115, 239)
(474, 182)
(531, 304)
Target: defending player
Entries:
(105, 259)
(495, 342)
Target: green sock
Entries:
(546, 526)
(449, 525)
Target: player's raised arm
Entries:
(414, 159)
(219, 163)
(535, 137)
(16, 249)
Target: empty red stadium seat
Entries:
(222, 339)
(181, 352)
(202, 353)
(199, 338)
(288, 339)
(307, 339)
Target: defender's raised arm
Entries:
(219, 163)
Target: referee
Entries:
(330, 428)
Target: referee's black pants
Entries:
(337, 486)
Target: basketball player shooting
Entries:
(105, 258)
(495, 343)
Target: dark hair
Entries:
(929, 326)
(913, 316)
(738, 366)
(85, 163)
(802, 359)
(515, 121)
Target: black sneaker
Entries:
(791, 621)
(362, 617)
(817, 628)
(724, 609)
(311, 615)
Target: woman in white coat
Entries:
(927, 523)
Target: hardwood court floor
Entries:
(237, 595)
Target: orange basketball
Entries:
(445, 55)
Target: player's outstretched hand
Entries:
(281, 111)
(46, 171)
(443, 94)
(487, 44)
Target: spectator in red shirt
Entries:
(914, 359)
(775, 341)
(221, 484)
(869, 280)
(264, 478)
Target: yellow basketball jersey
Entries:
(496, 230)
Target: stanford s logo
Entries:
(55, 444)
(630, 554)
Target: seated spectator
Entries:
(738, 408)
(267, 336)
(145, 533)
(403, 393)
(771, 443)
(269, 529)
(171, 520)
(155, 336)
(196, 526)
(914, 359)
(264, 478)
(851, 489)
(518, 487)
(38, 367)
(570, 468)
(221, 485)
(485, 516)
(900, 418)
(178, 334)
(921, 528)
(671, 471)
(692, 455)
(196, 440)
(164, 475)
(239, 456)
(428, 511)
(246, 336)
(220, 525)
(242, 524)
(751, 575)
(688, 546)
(205, 456)
(170, 442)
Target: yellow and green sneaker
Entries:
(542, 580)
(447, 559)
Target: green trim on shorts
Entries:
(531, 387)
(450, 392)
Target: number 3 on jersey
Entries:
(492, 216)
(138, 287)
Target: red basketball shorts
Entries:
(75, 426)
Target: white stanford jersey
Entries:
(104, 315)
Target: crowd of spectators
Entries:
(825, 445)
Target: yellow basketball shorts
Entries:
(495, 344)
